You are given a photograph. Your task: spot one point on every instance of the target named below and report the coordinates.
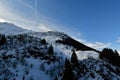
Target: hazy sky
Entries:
(93, 22)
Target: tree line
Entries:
(110, 55)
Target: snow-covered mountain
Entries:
(42, 56)
(10, 29)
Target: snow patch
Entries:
(85, 54)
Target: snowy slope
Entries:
(25, 56)
(10, 29)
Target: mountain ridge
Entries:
(10, 29)
(42, 56)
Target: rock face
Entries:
(42, 56)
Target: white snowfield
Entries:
(11, 29)
(86, 54)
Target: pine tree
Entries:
(67, 74)
(74, 59)
(43, 41)
(2, 39)
(116, 53)
(55, 78)
(50, 50)
(110, 55)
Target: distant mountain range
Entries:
(29, 55)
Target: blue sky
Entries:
(93, 22)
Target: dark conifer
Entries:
(110, 55)
(43, 41)
(74, 59)
(50, 50)
(2, 39)
(67, 74)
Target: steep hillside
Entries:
(10, 29)
(43, 55)
(62, 38)
(58, 37)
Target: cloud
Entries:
(9, 15)
(80, 40)
(2, 20)
(79, 34)
(96, 45)
(118, 40)
(25, 4)
(44, 28)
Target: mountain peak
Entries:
(10, 29)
